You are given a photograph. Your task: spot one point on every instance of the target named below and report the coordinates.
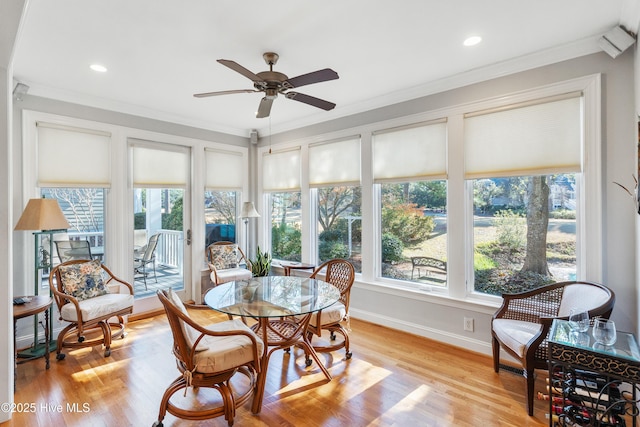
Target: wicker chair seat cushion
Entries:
(97, 307)
(231, 274)
(515, 334)
(581, 296)
(228, 352)
(330, 315)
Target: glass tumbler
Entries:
(579, 320)
(604, 331)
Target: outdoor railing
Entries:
(169, 251)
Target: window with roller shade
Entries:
(281, 182)
(409, 170)
(334, 177)
(525, 167)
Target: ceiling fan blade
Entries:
(240, 69)
(314, 77)
(307, 99)
(264, 109)
(224, 92)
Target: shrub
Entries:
(286, 242)
(407, 223)
(392, 248)
(329, 250)
(511, 229)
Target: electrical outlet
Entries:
(468, 324)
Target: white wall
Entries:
(10, 16)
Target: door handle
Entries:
(188, 237)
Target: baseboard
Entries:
(424, 331)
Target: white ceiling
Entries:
(159, 53)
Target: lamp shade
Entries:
(42, 214)
(249, 211)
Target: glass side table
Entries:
(591, 384)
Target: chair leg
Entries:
(495, 345)
(530, 389)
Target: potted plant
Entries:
(261, 265)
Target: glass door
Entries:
(161, 230)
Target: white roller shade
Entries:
(158, 168)
(534, 139)
(410, 153)
(73, 157)
(335, 163)
(224, 170)
(281, 171)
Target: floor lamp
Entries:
(45, 218)
(248, 211)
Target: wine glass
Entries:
(578, 320)
(604, 331)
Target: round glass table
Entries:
(282, 307)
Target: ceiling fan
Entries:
(272, 83)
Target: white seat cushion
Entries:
(223, 353)
(515, 334)
(332, 314)
(96, 307)
(231, 274)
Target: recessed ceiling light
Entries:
(472, 41)
(99, 68)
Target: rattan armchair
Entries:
(521, 324)
(88, 296)
(341, 274)
(209, 357)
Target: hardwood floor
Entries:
(393, 379)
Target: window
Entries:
(340, 224)
(334, 173)
(220, 209)
(281, 180)
(84, 210)
(524, 232)
(286, 226)
(408, 164)
(524, 164)
(74, 168)
(414, 231)
(224, 175)
(160, 207)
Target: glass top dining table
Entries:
(272, 296)
(281, 307)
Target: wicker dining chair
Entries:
(209, 357)
(341, 274)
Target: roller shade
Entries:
(224, 170)
(281, 170)
(533, 139)
(335, 163)
(410, 153)
(73, 157)
(160, 168)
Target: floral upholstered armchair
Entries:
(227, 263)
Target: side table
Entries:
(591, 384)
(287, 266)
(37, 304)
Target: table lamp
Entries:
(248, 211)
(42, 216)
